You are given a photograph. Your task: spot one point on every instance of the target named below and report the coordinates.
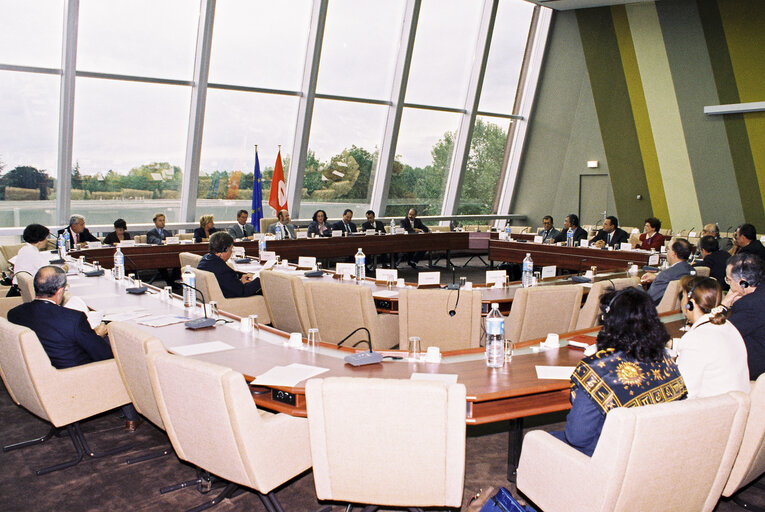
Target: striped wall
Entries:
(651, 68)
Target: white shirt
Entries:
(30, 259)
(712, 359)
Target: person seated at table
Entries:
(651, 239)
(158, 234)
(345, 225)
(283, 221)
(548, 231)
(231, 284)
(714, 259)
(205, 229)
(65, 334)
(412, 224)
(571, 223)
(241, 228)
(629, 369)
(711, 355)
(677, 257)
(119, 234)
(725, 244)
(611, 235)
(371, 223)
(319, 225)
(746, 240)
(78, 233)
(29, 258)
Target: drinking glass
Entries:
(415, 348)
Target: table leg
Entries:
(514, 442)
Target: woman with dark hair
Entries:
(319, 225)
(651, 239)
(629, 369)
(29, 258)
(119, 234)
(711, 355)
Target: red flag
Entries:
(277, 198)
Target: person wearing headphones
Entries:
(711, 355)
(746, 302)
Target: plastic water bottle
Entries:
(392, 226)
(361, 265)
(189, 294)
(119, 265)
(61, 246)
(527, 278)
(67, 240)
(278, 232)
(507, 232)
(261, 246)
(495, 338)
(569, 238)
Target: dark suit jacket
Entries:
(199, 234)
(111, 238)
(755, 247)
(746, 315)
(579, 234)
(550, 234)
(340, 225)
(716, 261)
(618, 236)
(227, 277)
(238, 231)
(410, 227)
(313, 227)
(85, 236)
(673, 273)
(65, 334)
(378, 226)
(154, 236)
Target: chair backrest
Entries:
(14, 370)
(540, 310)
(207, 283)
(129, 348)
(286, 301)
(26, 285)
(425, 313)
(265, 222)
(750, 461)
(671, 299)
(189, 258)
(588, 315)
(702, 436)
(140, 239)
(702, 271)
(413, 440)
(8, 303)
(520, 229)
(7, 252)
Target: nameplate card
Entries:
(502, 236)
(428, 279)
(625, 246)
(400, 231)
(386, 274)
(663, 249)
(549, 271)
(370, 232)
(238, 252)
(496, 277)
(653, 260)
(127, 243)
(258, 236)
(94, 245)
(172, 240)
(539, 239)
(342, 269)
(337, 232)
(692, 234)
(267, 255)
(306, 261)
(301, 234)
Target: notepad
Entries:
(201, 348)
(288, 376)
(554, 372)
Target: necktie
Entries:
(347, 228)
(609, 238)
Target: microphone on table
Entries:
(453, 311)
(198, 323)
(361, 358)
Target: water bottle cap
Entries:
(494, 305)
(528, 254)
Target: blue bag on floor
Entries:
(503, 501)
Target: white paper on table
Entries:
(306, 261)
(77, 304)
(201, 348)
(555, 372)
(539, 239)
(288, 376)
(385, 294)
(653, 259)
(126, 315)
(495, 277)
(345, 268)
(386, 274)
(549, 271)
(427, 278)
(94, 318)
(162, 320)
(269, 264)
(247, 267)
(267, 255)
(448, 378)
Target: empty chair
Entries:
(427, 314)
(358, 310)
(588, 315)
(8, 303)
(62, 397)
(213, 423)
(702, 271)
(189, 258)
(541, 310)
(286, 301)
(265, 222)
(140, 239)
(26, 284)
(207, 283)
(520, 229)
(410, 451)
(671, 299)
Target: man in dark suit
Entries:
(413, 225)
(345, 225)
(231, 285)
(713, 258)
(241, 228)
(746, 301)
(78, 233)
(158, 234)
(746, 238)
(283, 221)
(571, 223)
(64, 333)
(677, 256)
(371, 223)
(611, 235)
(548, 231)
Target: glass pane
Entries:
(361, 41)
(487, 149)
(249, 48)
(506, 56)
(28, 139)
(138, 37)
(343, 151)
(41, 23)
(423, 157)
(129, 147)
(234, 123)
(444, 50)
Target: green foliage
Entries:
(26, 177)
(487, 149)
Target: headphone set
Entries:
(607, 309)
(690, 306)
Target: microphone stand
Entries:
(198, 323)
(361, 358)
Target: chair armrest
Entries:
(243, 306)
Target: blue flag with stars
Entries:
(257, 196)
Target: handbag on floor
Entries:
(503, 501)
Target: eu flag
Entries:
(257, 196)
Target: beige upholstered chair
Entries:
(8, 303)
(189, 258)
(6, 253)
(671, 299)
(674, 456)
(541, 310)
(425, 313)
(750, 461)
(286, 301)
(140, 239)
(265, 222)
(588, 315)
(186, 236)
(413, 440)
(26, 284)
(702, 271)
(207, 283)
(351, 307)
(213, 423)
(520, 229)
(62, 397)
